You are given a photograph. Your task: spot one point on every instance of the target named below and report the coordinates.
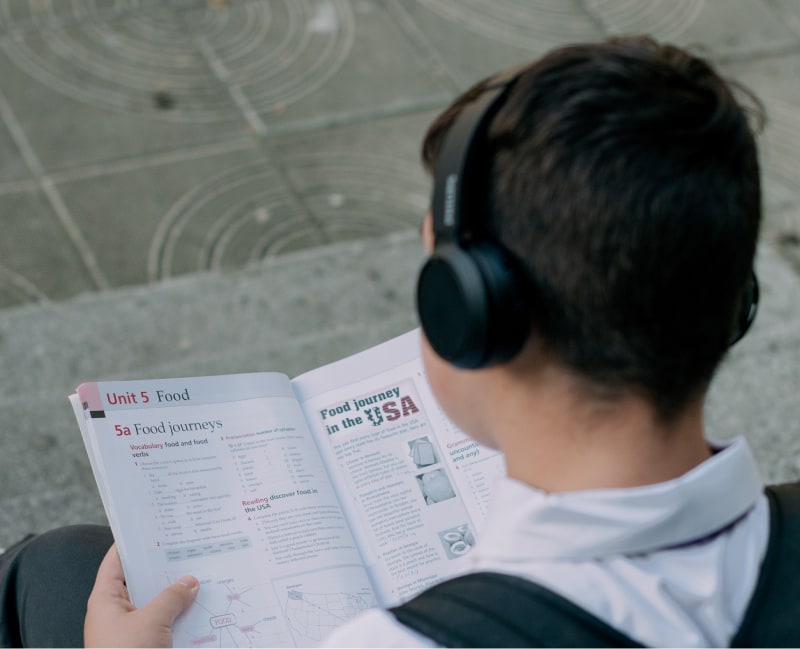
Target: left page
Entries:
(219, 477)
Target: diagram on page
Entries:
(317, 603)
(233, 611)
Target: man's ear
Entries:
(426, 232)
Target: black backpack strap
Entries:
(772, 618)
(488, 609)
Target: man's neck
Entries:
(557, 438)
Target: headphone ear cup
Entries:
(453, 306)
(470, 305)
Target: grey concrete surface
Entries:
(290, 314)
(204, 186)
(141, 139)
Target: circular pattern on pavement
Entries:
(244, 214)
(534, 25)
(190, 62)
(662, 20)
(789, 13)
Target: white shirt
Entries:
(670, 564)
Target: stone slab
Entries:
(123, 111)
(293, 313)
(116, 116)
(755, 391)
(70, 122)
(37, 261)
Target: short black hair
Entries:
(624, 176)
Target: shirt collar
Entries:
(525, 523)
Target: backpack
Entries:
(488, 609)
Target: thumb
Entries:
(171, 602)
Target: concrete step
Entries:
(291, 314)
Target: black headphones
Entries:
(470, 291)
(748, 311)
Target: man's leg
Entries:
(45, 582)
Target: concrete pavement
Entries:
(204, 186)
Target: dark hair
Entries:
(624, 176)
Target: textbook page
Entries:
(415, 488)
(219, 477)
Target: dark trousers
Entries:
(45, 581)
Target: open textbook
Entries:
(297, 503)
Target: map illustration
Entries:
(313, 615)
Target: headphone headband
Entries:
(470, 294)
(461, 169)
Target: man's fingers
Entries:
(172, 601)
(112, 620)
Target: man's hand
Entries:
(112, 621)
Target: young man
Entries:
(622, 189)
(594, 225)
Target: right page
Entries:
(414, 486)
